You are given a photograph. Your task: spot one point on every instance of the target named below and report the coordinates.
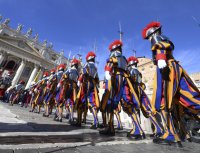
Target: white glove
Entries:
(78, 83)
(35, 90)
(58, 86)
(107, 75)
(161, 64)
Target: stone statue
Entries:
(19, 28)
(51, 45)
(45, 43)
(6, 22)
(29, 32)
(36, 37)
(62, 53)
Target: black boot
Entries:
(107, 131)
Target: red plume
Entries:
(75, 61)
(115, 43)
(132, 58)
(91, 53)
(150, 25)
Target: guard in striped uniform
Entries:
(114, 84)
(60, 93)
(70, 77)
(172, 85)
(88, 85)
(133, 104)
(39, 93)
(50, 93)
(16, 92)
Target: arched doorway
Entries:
(10, 65)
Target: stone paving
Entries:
(22, 132)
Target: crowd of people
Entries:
(175, 95)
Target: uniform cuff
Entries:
(161, 56)
(108, 68)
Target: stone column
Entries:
(18, 73)
(32, 77)
(2, 56)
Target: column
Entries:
(2, 56)
(32, 77)
(18, 73)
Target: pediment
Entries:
(21, 44)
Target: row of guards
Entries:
(175, 95)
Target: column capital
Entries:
(36, 65)
(23, 61)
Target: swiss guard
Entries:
(59, 98)
(70, 77)
(39, 91)
(88, 90)
(114, 84)
(137, 101)
(173, 87)
(16, 92)
(50, 93)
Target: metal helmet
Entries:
(91, 55)
(150, 29)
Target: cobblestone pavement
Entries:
(25, 132)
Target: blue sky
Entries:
(76, 24)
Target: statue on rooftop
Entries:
(19, 28)
(6, 22)
(29, 32)
(36, 37)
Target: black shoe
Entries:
(136, 137)
(158, 140)
(44, 115)
(120, 128)
(77, 124)
(101, 126)
(189, 139)
(143, 136)
(67, 116)
(152, 135)
(139, 137)
(107, 131)
(177, 144)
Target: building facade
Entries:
(24, 55)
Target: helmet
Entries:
(62, 67)
(53, 71)
(115, 44)
(75, 62)
(45, 74)
(132, 60)
(21, 82)
(90, 55)
(150, 29)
